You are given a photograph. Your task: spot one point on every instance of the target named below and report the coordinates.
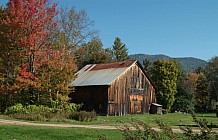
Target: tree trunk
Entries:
(216, 109)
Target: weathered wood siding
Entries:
(130, 93)
(92, 98)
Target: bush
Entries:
(205, 133)
(72, 107)
(36, 113)
(30, 109)
(33, 109)
(62, 104)
(83, 116)
(17, 108)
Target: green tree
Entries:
(200, 70)
(148, 66)
(109, 52)
(211, 71)
(119, 52)
(212, 77)
(184, 98)
(201, 93)
(91, 53)
(165, 75)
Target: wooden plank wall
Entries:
(130, 93)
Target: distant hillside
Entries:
(189, 64)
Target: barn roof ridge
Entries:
(122, 64)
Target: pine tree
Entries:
(120, 51)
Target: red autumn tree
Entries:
(36, 19)
(26, 27)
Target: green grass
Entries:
(171, 119)
(49, 133)
(9, 132)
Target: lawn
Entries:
(28, 132)
(49, 133)
(171, 119)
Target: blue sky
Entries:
(177, 28)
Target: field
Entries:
(171, 119)
(29, 132)
(50, 133)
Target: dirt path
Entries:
(21, 123)
(13, 122)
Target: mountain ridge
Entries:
(189, 64)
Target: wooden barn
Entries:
(118, 88)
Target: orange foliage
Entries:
(26, 74)
(29, 27)
(191, 81)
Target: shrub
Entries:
(205, 132)
(83, 116)
(17, 108)
(33, 109)
(30, 109)
(138, 130)
(60, 106)
(72, 107)
(36, 113)
(166, 130)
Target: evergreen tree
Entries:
(148, 66)
(184, 98)
(120, 51)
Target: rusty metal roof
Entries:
(113, 65)
(100, 74)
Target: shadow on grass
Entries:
(210, 125)
(208, 116)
